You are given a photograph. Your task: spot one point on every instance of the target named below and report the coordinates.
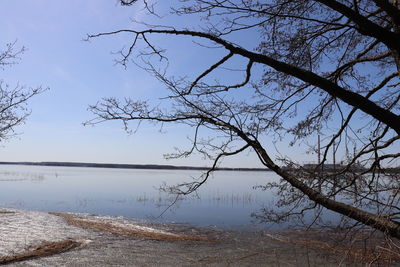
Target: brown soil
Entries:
(42, 250)
(107, 227)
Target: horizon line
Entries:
(124, 165)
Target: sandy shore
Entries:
(60, 239)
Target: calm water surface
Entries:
(226, 201)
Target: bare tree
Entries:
(322, 67)
(13, 100)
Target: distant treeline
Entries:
(127, 166)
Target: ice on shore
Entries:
(21, 229)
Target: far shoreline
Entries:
(127, 166)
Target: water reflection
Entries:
(227, 200)
(15, 176)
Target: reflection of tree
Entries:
(328, 68)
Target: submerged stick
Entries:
(45, 249)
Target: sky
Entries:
(78, 73)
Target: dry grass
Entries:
(128, 230)
(358, 247)
(228, 260)
(42, 250)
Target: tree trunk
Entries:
(375, 221)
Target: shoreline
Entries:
(163, 167)
(69, 239)
(128, 166)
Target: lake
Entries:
(226, 201)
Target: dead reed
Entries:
(361, 247)
(128, 230)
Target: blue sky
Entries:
(79, 73)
